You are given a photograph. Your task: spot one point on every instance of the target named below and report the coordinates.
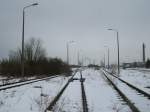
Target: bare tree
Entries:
(15, 55)
(35, 61)
(33, 51)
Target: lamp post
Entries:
(78, 58)
(22, 55)
(104, 60)
(118, 48)
(68, 50)
(108, 55)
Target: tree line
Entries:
(36, 61)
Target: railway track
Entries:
(57, 97)
(130, 85)
(15, 82)
(21, 83)
(134, 104)
(84, 100)
(6, 81)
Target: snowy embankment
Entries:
(138, 78)
(141, 102)
(28, 98)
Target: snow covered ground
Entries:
(28, 98)
(70, 100)
(140, 69)
(100, 95)
(138, 78)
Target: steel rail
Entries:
(57, 97)
(25, 83)
(84, 100)
(123, 96)
(130, 85)
(21, 81)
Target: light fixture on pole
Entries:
(108, 55)
(22, 54)
(104, 60)
(118, 49)
(68, 50)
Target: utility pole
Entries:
(78, 58)
(23, 24)
(67, 54)
(68, 50)
(118, 54)
(104, 60)
(108, 58)
(118, 49)
(22, 55)
(143, 53)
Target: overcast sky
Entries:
(84, 21)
